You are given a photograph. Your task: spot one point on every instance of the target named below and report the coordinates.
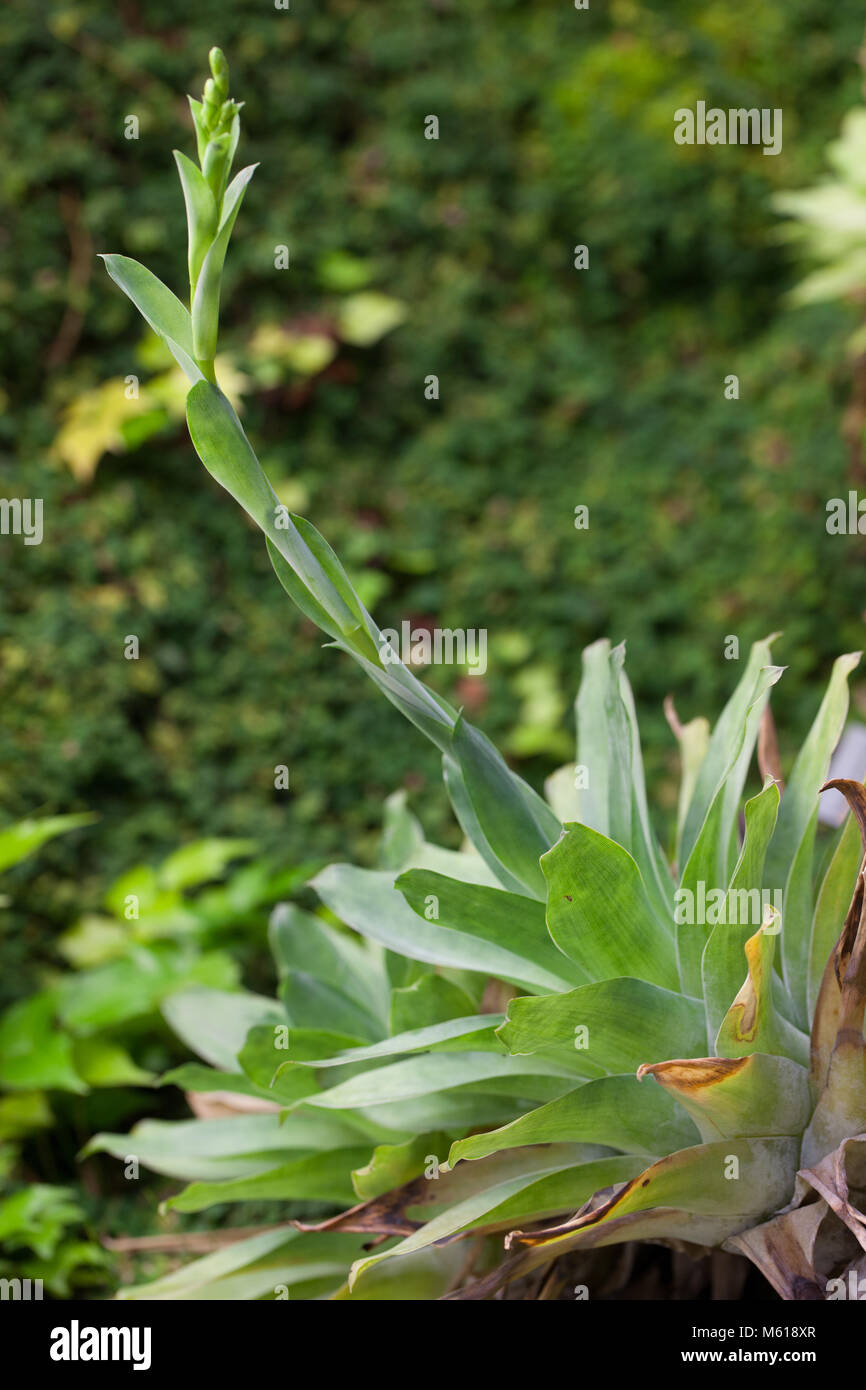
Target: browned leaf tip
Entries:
(599, 1205)
(383, 1215)
(855, 794)
(692, 1073)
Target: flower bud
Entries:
(211, 103)
(220, 69)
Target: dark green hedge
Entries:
(558, 387)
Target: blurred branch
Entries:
(194, 1242)
(78, 279)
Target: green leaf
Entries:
(90, 1000)
(458, 1034)
(241, 1146)
(101, 1062)
(368, 901)
(559, 1191)
(310, 1003)
(614, 800)
(790, 856)
(605, 800)
(517, 824)
(424, 1276)
(201, 212)
(304, 946)
(192, 1076)
(158, 307)
(225, 451)
(318, 1177)
(702, 1194)
(37, 1217)
(455, 1111)
(34, 1053)
(834, 897)
(693, 739)
(724, 953)
(461, 804)
(392, 1165)
(206, 300)
(709, 864)
(261, 1055)
(644, 845)
(726, 744)
(23, 1113)
(200, 862)
(432, 1072)
(797, 923)
(561, 794)
(304, 1045)
(494, 1192)
(142, 882)
(838, 1049)
(615, 1110)
(753, 1023)
(465, 866)
(608, 1026)
(402, 835)
(256, 1267)
(740, 1097)
(215, 1023)
(504, 919)
(19, 840)
(598, 911)
(428, 1000)
(810, 770)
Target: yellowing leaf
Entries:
(93, 425)
(365, 318)
(274, 348)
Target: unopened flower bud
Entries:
(211, 101)
(220, 69)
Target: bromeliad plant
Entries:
(687, 1074)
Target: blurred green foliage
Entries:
(197, 919)
(41, 1238)
(557, 387)
(89, 1045)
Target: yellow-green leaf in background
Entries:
(365, 318)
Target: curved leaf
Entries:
(161, 309)
(722, 960)
(598, 911)
(367, 900)
(508, 920)
(702, 1194)
(614, 1110)
(611, 1025)
(206, 300)
(517, 824)
(757, 1095)
(215, 1023)
(432, 1072)
(753, 1023)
